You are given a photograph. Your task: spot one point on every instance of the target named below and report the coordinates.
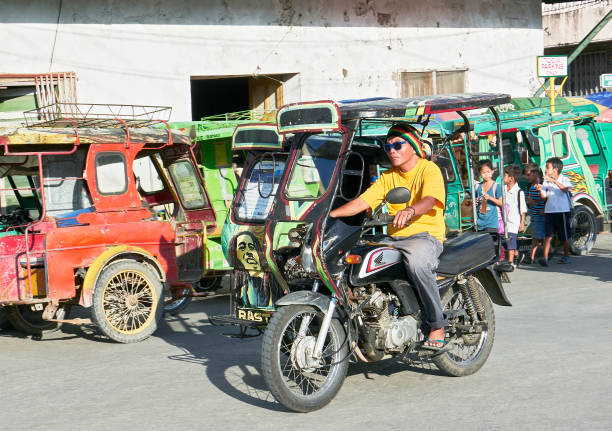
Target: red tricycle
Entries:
(99, 209)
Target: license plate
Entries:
(254, 315)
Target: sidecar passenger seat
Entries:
(467, 251)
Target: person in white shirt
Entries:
(516, 207)
(556, 189)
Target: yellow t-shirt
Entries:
(425, 179)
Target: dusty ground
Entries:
(549, 369)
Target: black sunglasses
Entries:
(396, 145)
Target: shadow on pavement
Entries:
(233, 364)
(595, 266)
(65, 332)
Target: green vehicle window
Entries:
(586, 141)
(560, 144)
(313, 171)
(187, 184)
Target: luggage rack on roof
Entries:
(96, 115)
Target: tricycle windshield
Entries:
(313, 169)
(187, 184)
(260, 185)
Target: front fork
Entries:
(318, 348)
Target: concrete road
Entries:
(550, 369)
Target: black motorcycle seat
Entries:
(467, 251)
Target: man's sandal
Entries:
(427, 345)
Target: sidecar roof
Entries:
(417, 106)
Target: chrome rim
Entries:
(171, 304)
(462, 351)
(303, 375)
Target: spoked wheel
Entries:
(4, 321)
(583, 230)
(29, 321)
(296, 379)
(174, 305)
(208, 284)
(126, 301)
(468, 352)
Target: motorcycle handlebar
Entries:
(379, 220)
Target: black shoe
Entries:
(505, 266)
(543, 262)
(527, 261)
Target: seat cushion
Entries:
(467, 251)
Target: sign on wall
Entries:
(605, 80)
(552, 66)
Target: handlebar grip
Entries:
(379, 220)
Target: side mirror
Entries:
(399, 195)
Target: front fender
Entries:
(308, 297)
(490, 280)
(305, 297)
(91, 276)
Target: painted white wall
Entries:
(144, 52)
(571, 26)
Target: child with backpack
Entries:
(556, 189)
(517, 208)
(536, 210)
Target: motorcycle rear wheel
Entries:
(286, 369)
(467, 354)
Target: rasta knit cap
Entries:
(410, 135)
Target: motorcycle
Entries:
(311, 337)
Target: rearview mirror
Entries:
(398, 195)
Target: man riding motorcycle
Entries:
(420, 241)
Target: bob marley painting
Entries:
(255, 284)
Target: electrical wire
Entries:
(59, 14)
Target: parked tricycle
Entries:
(100, 210)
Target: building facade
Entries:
(565, 26)
(207, 57)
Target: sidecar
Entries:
(100, 209)
(260, 154)
(335, 155)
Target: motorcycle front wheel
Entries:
(467, 352)
(297, 380)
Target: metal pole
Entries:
(584, 43)
(500, 148)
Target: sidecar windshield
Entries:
(262, 178)
(313, 170)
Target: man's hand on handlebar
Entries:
(403, 217)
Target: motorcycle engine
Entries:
(294, 270)
(380, 312)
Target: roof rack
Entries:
(248, 115)
(96, 115)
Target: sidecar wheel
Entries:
(467, 354)
(30, 322)
(4, 321)
(294, 380)
(127, 302)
